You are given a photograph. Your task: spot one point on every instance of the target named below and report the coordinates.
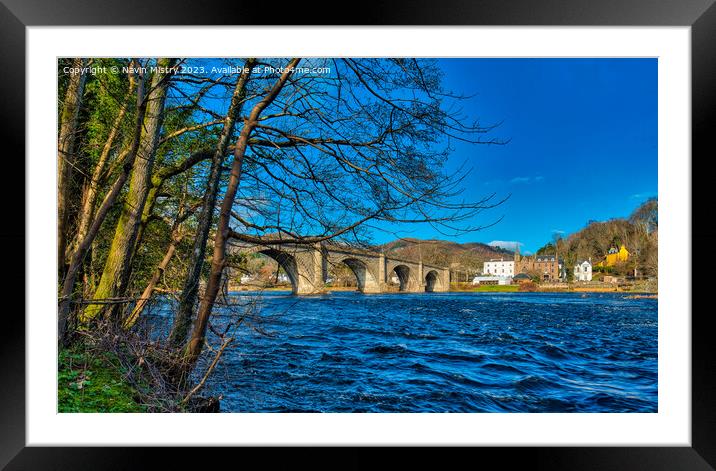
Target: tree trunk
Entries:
(196, 343)
(78, 256)
(187, 300)
(177, 236)
(66, 155)
(115, 275)
(89, 195)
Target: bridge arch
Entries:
(403, 274)
(365, 278)
(433, 282)
(302, 264)
(285, 261)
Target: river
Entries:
(449, 352)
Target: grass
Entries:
(92, 383)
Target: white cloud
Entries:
(538, 178)
(506, 244)
(639, 196)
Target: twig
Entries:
(208, 371)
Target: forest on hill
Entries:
(639, 233)
(466, 256)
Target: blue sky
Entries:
(582, 143)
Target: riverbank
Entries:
(470, 288)
(343, 289)
(93, 383)
(641, 291)
(118, 378)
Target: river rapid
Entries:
(443, 352)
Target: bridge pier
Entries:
(382, 280)
(308, 278)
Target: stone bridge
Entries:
(307, 268)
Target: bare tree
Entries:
(222, 233)
(321, 157)
(188, 296)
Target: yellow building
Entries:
(615, 256)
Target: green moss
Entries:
(92, 383)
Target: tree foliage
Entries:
(639, 233)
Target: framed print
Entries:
(425, 227)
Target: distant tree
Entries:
(646, 216)
(548, 248)
(639, 233)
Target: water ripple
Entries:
(456, 352)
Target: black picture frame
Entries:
(16, 15)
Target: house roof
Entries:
(522, 276)
(545, 258)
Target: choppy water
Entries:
(451, 352)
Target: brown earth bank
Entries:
(469, 288)
(639, 289)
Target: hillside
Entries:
(639, 233)
(468, 256)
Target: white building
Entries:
(492, 280)
(583, 270)
(499, 267)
